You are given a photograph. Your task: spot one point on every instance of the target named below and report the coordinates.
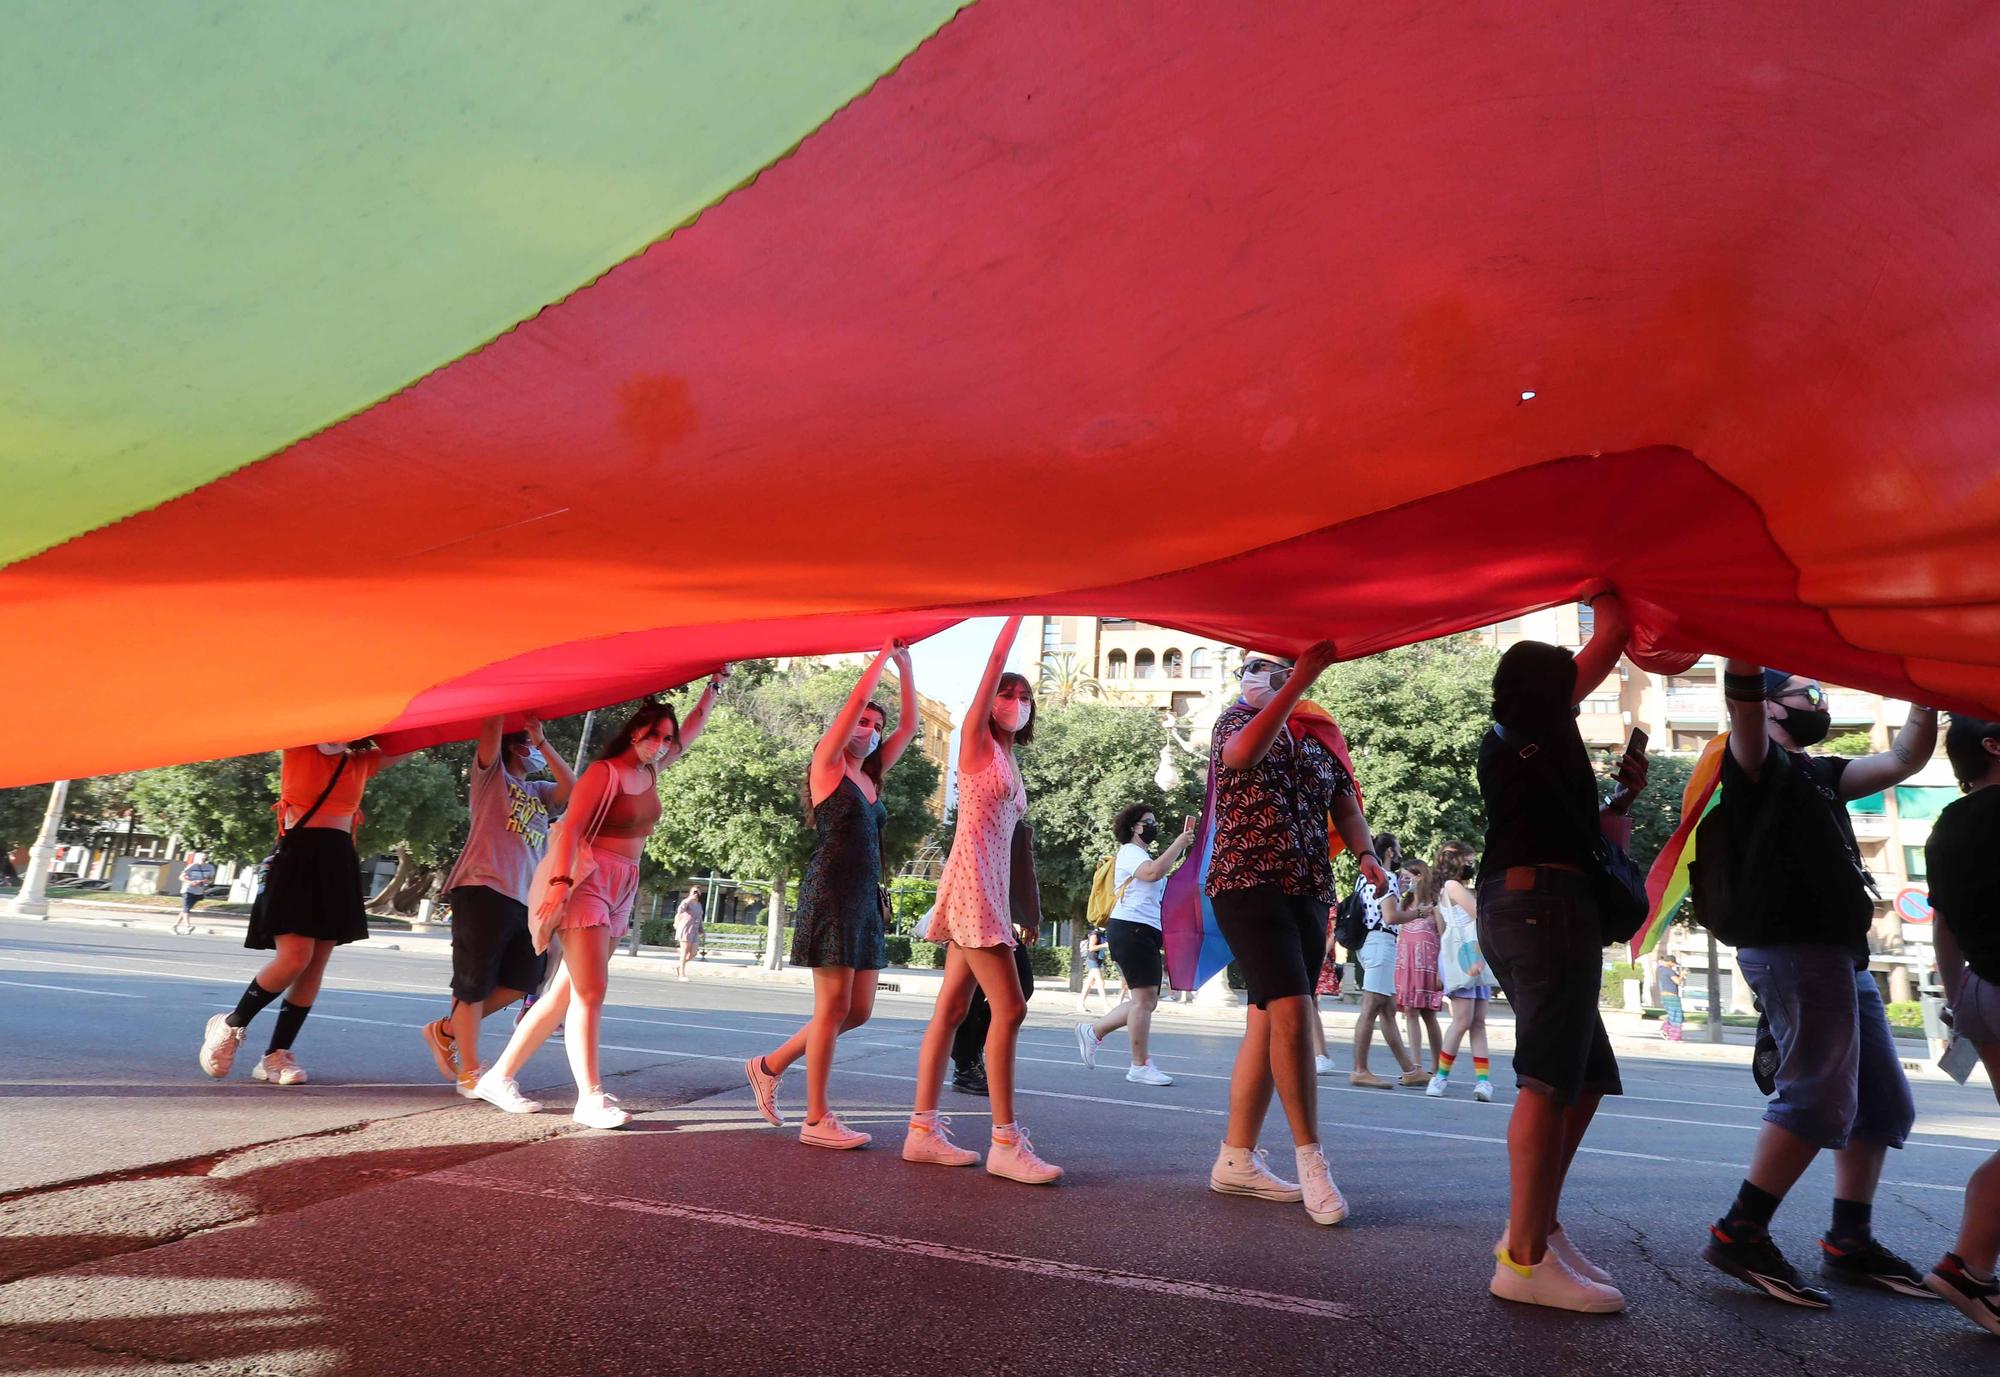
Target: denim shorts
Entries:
(1541, 938)
(1378, 963)
(1839, 1074)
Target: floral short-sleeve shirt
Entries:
(1270, 820)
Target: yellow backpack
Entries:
(1105, 892)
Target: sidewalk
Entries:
(1630, 1033)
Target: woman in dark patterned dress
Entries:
(838, 929)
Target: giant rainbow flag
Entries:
(374, 367)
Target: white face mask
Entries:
(650, 752)
(332, 747)
(1258, 687)
(535, 763)
(1011, 713)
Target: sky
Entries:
(948, 665)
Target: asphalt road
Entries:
(153, 1221)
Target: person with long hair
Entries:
(1539, 927)
(1135, 936)
(974, 918)
(493, 959)
(1965, 895)
(310, 904)
(621, 789)
(1280, 793)
(1090, 950)
(838, 929)
(1444, 890)
(1419, 994)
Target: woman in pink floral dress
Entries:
(974, 919)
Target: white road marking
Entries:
(1050, 1268)
(68, 989)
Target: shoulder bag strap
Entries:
(1593, 834)
(339, 768)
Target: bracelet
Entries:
(1743, 688)
(561, 880)
(1371, 856)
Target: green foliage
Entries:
(1050, 960)
(1087, 761)
(1906, 1013)
(1611, 994)
(1848, 743)
(222, 807)
(1413, 718)
(94, 800)
(734, 804)
(926, 956)
(899, 950)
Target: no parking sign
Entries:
(1913, 905)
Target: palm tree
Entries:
(1064, 682)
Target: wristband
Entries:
(1371, 856)
(561, 880)
(1743, 688)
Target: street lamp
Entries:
(33, 900)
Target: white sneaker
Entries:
(599, 1110)
(1244, 1171)
(1017, 1161)
(1436, 1088)
(502, 1093)
(1087, 1043)
(830, 1132)
(1323, 1200)
(1148, 1074)
(1482, 1091)
(1550, 1282)
(1573, 1258)
(468, 1084)
(279, 1068)
(219, 1042)
(764, 1086)
(933, 1144)
(1323, 1065)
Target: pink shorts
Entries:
(605, 899)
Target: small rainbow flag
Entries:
(1667, 881)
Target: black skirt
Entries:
(314, 891)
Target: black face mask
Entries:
(1149, 832)
(1468, 870)
(1806, 726)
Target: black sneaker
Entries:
(1870, 1264)
(1755, 1259)
(970, 1080)
(1979, 1300)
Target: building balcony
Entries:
(1702, 705)
(1848, 707)
(1869, 826)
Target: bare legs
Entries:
(992, 970)
(1135, 1014)
(1416, 1022)
(1276, 1054)
(1542, 1138)
(575, 999)
(843, 1000)
(1468, 1015)
(1383, 1007)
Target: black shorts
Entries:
(314, 891)
(1278, 940)
(1139, 951)
(1541, 937)
(490, 946)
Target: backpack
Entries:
(1736, 894)
(1350, 924)
(1105, 892)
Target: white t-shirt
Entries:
(1141, 903)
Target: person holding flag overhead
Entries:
(1277, 785)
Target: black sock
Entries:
(291, 1017)
(1751, 1213)
(252, 1004)
(1852, 1224)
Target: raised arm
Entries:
(1749, 741)
(907, 720)
(565, 777)
(975, 738)
(1871, 774)
(1250, 745)
(488, 751)
(829, 760)
(696, 720)
(1597, 659)
(1160, 866)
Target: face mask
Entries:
(1011, 713)
(1806, 726)
(1149, 832)
(650, 753)
(1261, 684)
(332, 747)
(535, 763)
(868, 747)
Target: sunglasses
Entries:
(1812, 693)
(1262, 667)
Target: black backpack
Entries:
(1350, 921)
(1730, 891)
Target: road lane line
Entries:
(1049, 1268)
(68, 989)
